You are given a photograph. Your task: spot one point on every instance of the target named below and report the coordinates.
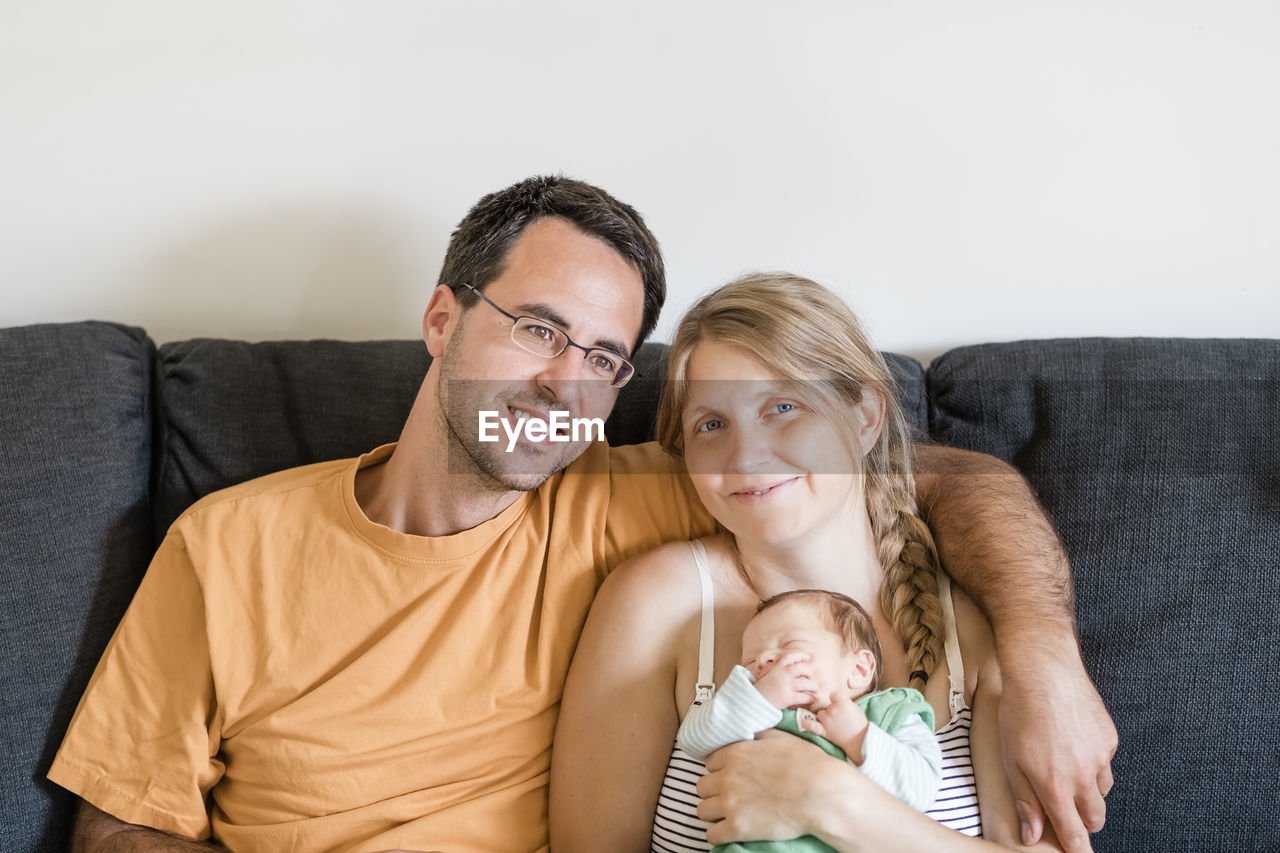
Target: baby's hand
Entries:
(843, 723)
(789, 682)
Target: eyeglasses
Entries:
(543, 339)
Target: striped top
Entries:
(676, 827)
(957, 803)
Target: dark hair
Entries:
(846, 617)
(477, 252)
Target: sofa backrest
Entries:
(1159, 462)
(106, 441)
(75, 537)
(1157, 459)
(229, 411)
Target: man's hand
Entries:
(788, 683)
(1058, 743)
(843, 723)
(995, 540)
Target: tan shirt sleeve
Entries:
(652, 501)
(142, 745)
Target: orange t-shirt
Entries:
(332, 684)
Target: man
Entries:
(369, 654)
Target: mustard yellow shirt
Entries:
(331, 684)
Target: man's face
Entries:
(570, 280)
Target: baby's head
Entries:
(832, 629)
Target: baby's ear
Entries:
(862, 675)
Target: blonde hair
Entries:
(804, 332)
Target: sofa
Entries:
(1157, 460)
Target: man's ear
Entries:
(862, 675)
(870, 414)
(440, 319)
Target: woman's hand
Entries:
(775, 787)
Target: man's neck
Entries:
(419, 492)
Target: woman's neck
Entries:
(840, 557)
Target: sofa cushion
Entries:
(230, 411)
(909, 379)
(75, 537)
(1159, 463)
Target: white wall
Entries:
(961, 171)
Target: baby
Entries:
(810, 665)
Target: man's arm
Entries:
(98, 832)
(990, 531)
(995, 540)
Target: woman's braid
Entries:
(909, 594)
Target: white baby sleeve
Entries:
(734, 712)
(907, 764)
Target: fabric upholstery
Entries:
(75, 464)
(909, 378)
(1159, 462)
(231, 410)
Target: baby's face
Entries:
(798, 626)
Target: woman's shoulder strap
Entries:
(955, 663)
(707, 636)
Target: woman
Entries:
(786, 419)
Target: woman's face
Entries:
(764, 464)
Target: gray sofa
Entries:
(1158, 460)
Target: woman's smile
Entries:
(760, 493)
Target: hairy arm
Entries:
(98, 832)
(994, 538)
(997, 543)
(618, 718)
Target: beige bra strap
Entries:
(955, 663)
(707, 638)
